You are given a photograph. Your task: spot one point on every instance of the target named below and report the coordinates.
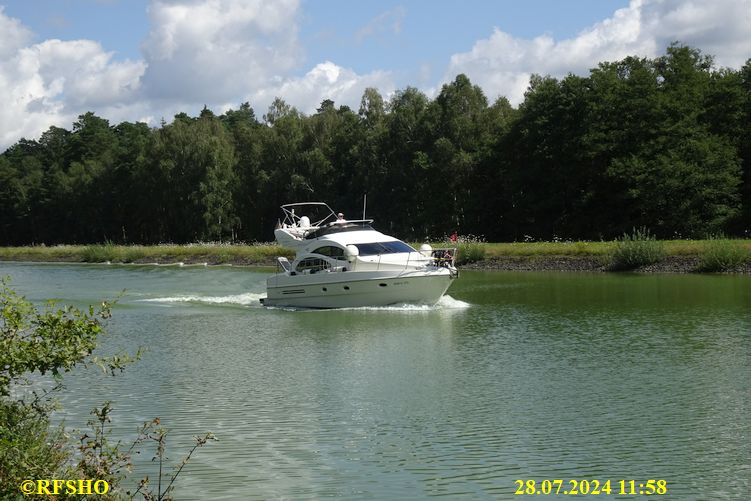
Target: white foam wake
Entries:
(449, 303)
(246, 299)
(445, 303)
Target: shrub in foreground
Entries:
(723, 254)
(640, 248)
(52, 341)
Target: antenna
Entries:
(364, 204)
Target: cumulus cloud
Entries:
(501, 64)
(51, 82)
(223, 52)
(82, 73)
(325, 81)
(13, 35)
(198, 52)
(214, 50)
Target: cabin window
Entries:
(330, 251)
(312, 265)
(383, 248)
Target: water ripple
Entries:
(575, 377)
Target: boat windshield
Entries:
(374, 249)
(339, 228)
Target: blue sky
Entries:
(430, 31)
(403, 36)
(149, 59)
(120, 25)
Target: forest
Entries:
(662, 143)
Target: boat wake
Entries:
(248, 299)
(449, 303)
(253, 299)
(445, 303)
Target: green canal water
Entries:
(514, 377)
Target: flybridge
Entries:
(339, 227)
(310, 220)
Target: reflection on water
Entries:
(515, 376)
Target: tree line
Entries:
(663, 143)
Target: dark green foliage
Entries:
(681, 179)
(663, 143)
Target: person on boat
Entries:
(340, 218)
(447, 258)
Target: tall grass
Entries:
(99, 253)
(640, 248)
(723, 254)
(470, 248)
(257, 253)
(470, 252)
(544, 249)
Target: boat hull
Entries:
(352, 290)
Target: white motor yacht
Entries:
(342, 263)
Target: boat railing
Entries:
(310, 215)
(444, 257)
(380, 256)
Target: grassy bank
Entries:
(588, 249)
(712, 255)
(256, 254)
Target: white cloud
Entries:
(215, 50)
(325, 81)
(223, 52)
(211, 52)
(51, 82)
(719, 27)
(501, 64)
(13, 35)
(82, 73)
